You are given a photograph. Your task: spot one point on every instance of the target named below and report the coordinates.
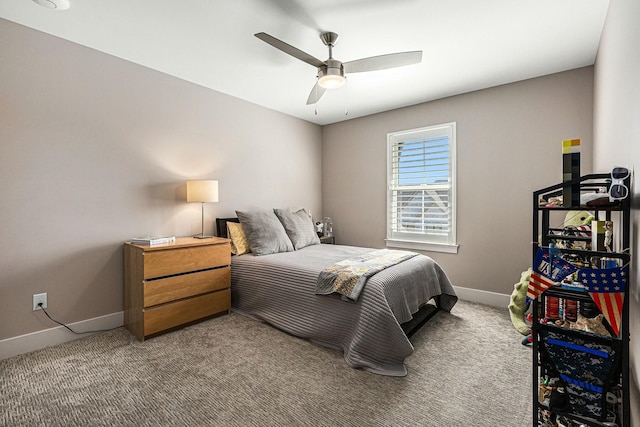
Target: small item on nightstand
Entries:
(327, 226)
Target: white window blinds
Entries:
(421, 186)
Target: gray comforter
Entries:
(280, 289)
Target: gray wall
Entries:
(95, 150)
(508, 145)
(616, 137)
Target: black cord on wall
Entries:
(77, 333)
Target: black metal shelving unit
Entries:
(614, 349)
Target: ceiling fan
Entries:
(331, 73)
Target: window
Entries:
(421, 183)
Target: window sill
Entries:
(432, 247)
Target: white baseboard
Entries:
(493, 299)
(37, 340)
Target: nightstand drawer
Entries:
(185, 285)
(183, 260)
(167, 316)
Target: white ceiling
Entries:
(467, 44)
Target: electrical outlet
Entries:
(39, 298)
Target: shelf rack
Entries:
(543, 235)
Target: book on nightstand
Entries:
(152, 240)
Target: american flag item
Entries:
(547, 272)
(538, 283)
(606, 287)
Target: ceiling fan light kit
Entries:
(331, 76)
(331, 73)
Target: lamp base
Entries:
(202, 237)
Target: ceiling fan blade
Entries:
(316, 94)
(382, 62)
(287, 48)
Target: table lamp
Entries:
(202, 192)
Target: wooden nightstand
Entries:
(170, 285)
(329, 240)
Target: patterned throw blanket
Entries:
(348, 277)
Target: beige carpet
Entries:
(468, 369)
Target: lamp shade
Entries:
(202, 191)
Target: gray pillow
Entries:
(264, 232)
(299, 227)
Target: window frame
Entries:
(423, 241)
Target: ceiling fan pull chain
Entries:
(315, 105)
(346, 94)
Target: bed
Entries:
(373, 332)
